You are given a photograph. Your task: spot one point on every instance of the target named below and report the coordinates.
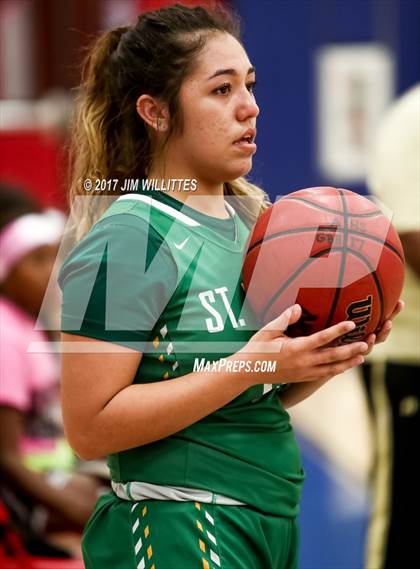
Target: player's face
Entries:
(219, 112)
(27, 282)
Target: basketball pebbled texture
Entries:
(333, 252)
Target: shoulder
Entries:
(126, 236)
(117, 280)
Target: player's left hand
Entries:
(383, 333)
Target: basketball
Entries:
(330, 250)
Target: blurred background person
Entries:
(37, 484)
(392, 375)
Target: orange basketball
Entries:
(330, 250)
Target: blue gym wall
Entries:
(281, 37)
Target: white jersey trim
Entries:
(163, 207)
(136, 491)
(230, 209)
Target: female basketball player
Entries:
(204, 464)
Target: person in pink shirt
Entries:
(36, 481)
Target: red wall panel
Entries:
(35, 161)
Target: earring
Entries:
(161, 125)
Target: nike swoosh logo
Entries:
(181, 245)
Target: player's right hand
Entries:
(308, 358)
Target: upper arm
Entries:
(15, 391)
(411, 243)
(111, 291)
(92, 373)
(111, 303)
(11, 432)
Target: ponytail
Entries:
(102, 146)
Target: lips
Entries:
(246, 142)
(247, 137)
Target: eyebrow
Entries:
(230, 71)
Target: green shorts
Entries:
(162, 534)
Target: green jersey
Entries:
(158, 276)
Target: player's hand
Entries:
(385, 330)
(308, 358)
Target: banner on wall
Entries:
(355, 85)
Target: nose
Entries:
(247, 107)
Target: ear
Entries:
(154, 113)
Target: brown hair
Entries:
(109, 139)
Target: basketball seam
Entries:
(316, 228)
(375, 278)
(341, 271)
(320, 254)
(378, 240)
(295, 274)
(330, 210)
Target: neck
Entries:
(207, 197)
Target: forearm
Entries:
(143, 413)
(35, 486)
(297, 392)
(105, 413)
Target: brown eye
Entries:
(251, 86)
(223, 89)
